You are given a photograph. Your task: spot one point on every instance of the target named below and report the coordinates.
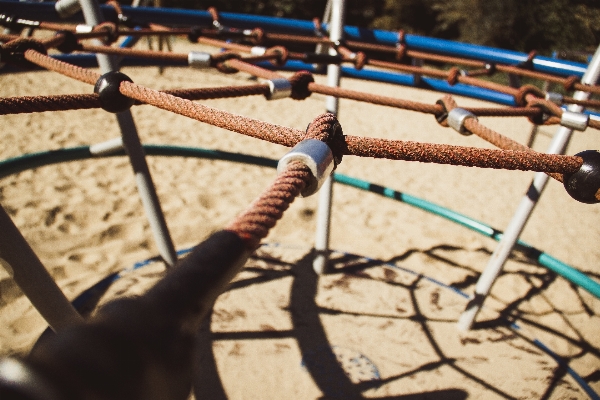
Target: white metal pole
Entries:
(525, 209)
(26, 269)
(133, 148)
(336, 30)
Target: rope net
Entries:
(242, 51)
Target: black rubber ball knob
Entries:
(108, 88)
(583, 184)
(195, 33)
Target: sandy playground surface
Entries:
(392, 330)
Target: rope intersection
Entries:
(237, 56)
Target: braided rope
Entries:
(256, 221)
(52, 64)
(32, 104)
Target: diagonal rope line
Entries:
(255, 222)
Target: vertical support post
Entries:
(336, 30)
(525, 209)
(26, 269)
(133, 148)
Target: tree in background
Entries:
(359, 12)
(524, 25)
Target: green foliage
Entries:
(359, 12)
(524, 25)
(543, 25)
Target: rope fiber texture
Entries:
(254, 223)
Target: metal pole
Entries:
(26, 269)
(336, 28)
(525, 209)
(133, 148)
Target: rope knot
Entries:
(570, 83)
(446, 104)
(281, 54)
(547, 109)
(453, 74)
(219, 61)
(256, 36)
(327, 128)
(111, 31)
(14, 51)
(524, 91)
(300, 81)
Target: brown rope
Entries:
(219, 92)
(254, 223)
(247, 126)
(369, 147)
(359, 146)
(373, 99)
(251, 69)
(31, 104)
(459, 155)
(155, 55)
(491, 136)
(72, 71)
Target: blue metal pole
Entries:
(176, 17)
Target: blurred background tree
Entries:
(523, 25)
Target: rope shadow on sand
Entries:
(311, 337)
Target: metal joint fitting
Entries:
(258, 51)
(457, 118)
(18, 378)
(279, 88)
(82, 28)
(199, 59)
(67, 8)
(111, 146)
(317, 156)
(575, 120)
(555, 98)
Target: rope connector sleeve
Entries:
(456, 120)
(575, 120)
(199, 59)
(258, 51)
(67, 8)
(317, 156)
(83, 28)
(279, 88)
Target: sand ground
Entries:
(391, 329)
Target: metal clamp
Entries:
(258, 51)
(67, 8)
(574, 120)
(554, 97)
(18, 378)
(109, 147)
(457, 118)
(279, 88)
(82, 28)
(317, 156)
(199, 59)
